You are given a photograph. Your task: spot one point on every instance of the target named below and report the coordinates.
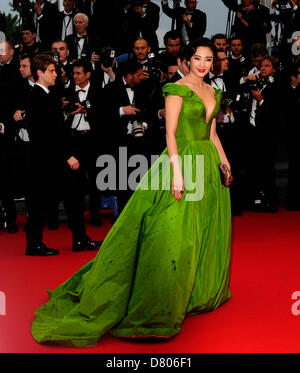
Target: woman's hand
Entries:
(177, 186)
(73, 163)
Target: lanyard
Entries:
(66, 25)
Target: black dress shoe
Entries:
(40, 250)
(270, 208)
(12, 228)
(86, 243)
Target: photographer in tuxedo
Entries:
(65, 20)
(104, 66)
(239, 66)
(191, 22)
(261, 134)
(85, 132)
(227, 125)
(80, 43)
(52, 166)
(144, 21)
(45, 20)
(64, 67)
(125, 118)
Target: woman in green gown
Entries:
(168, 254)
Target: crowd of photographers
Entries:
(109, 77)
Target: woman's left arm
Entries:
(216, 141)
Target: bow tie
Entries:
(189, 13)
(127, 86)
(68, 14)
(217, 77)
(81, 37)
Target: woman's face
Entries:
(201, 62)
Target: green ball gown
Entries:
(162, 260)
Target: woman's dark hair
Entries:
(191, 48)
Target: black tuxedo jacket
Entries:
(268, 114)
(93, 113)
(49, 148)
(114, 97)
(147, 26)
(10, 81)
(10, 84)
(237, 69)
(48, 25)
(88, 46)
(226, 79)
(60, 23)
(256, 31)
(198, 19)
(175, 77)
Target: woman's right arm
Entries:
(173, 107)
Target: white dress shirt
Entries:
(67, 28)
(218, 83)
(79, 123)
(36, 19)
(130, 94)
(43, 87)
(80, 45)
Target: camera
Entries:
(285, 12)
(107, 56)
(25, 9)
(71, 106)
(259, 83)
(281, 4)
(230, 101)
(153, 67)
(137, 123)
(137, 128)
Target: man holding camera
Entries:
(227, 125)
(261, 136)
(144, 21)
(239, 66)
(125, 116)
(80, 106)
(64, 67)
(191, 22)
(45, 18)
(104, 66)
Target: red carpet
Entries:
(258, 318)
